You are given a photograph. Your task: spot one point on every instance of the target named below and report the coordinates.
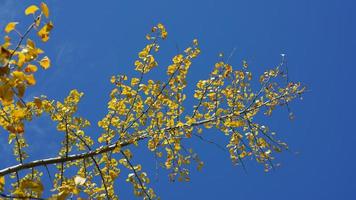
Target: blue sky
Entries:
(93, 40)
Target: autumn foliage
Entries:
(147, 113)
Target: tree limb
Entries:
(119, 144)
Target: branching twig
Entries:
(136, 175)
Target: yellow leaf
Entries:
(128, 153)
(19, 129)
(39, 51)
(18, 75)
(171, 69)
(31, 68)
(262, 142)
(45, 9)
(243, 154)
(177, 59)
(34, 186)
(117, 148)
(21, 88)
(38, 102)
(30, 79)
(134, 81)
(138, 168)
(31, 10)
(31, 44)
(44, 32)
(113, 79)
(10, 27)
(160, 26)
(2, 183)
(45, 62)
(101, 139)
(113, 174)
(7, 41)
(21, 59)
(195, 42)
(19, 114)
(6, 95)
(12, 135)
(235, 123)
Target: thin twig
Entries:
(136, 175)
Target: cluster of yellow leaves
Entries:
(146, 60)
(17, 68)
(158, 31)
(29, 185)
(137, 106)
(138, 109)
(154, 109)
(18, 61)
(69, 187)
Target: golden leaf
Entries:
(7, 41)
(44, 32)
(38, 103)
(30, 79)
(235, 123)
(101, 139)
(128, 153)
(177, 59)
(19, 114)
(117, 148)
(195, 42)
(31, 44)
(134, 81)
(10, 27)
(21, 59)
(45, 62)
(45, 9)
(113, 79)
(6, 95)
(31, 68)
(138, 168)
(19, 75)
(2, 183)
(113, 174)
(34, 186)
(31, 10)
(19, 129)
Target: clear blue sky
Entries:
(93, 40)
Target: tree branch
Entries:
(107, 148)
(6, 196)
